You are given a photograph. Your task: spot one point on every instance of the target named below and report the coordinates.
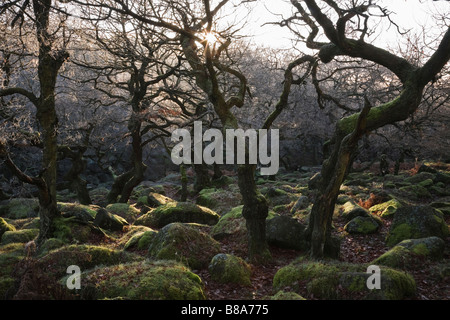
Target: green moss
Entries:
(49, 245)
(131, 231)
(386, 209)
(6, 285)
(443, 224)
(219, 200)
(226, 268)
(10, 255)
(76, 209)
(421, 249)
(399, 284)
(233, 222)
(145, 240)
(290, 275)
(205, 198)
(280, 208)
(334, 280)
(347, 125)
(178, 212)
(70, 230)
(184, 243)
(283, 295)
(416, 191)
(426, 183)
(399, 233)
(20, 236)
(157, 280)
(362, 225)
(19, 208)
(4, 226)
(33, 223)
(420, 178)
(405, 254)
(124, 210)
(397, 257)
(84, 256)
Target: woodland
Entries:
(93, 207)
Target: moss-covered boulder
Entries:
(145, 280)
(406, 253)
(184, 242)
(301, 204)
(7, 287)
(50, 245)
(219, 200)
(99, 194)
(140, 240)
(147, 187)
(351, 210)
(286, 295)
(227, 268)
(124, 210)
(386, 209)
(442, 206)
(129, 232)
(233, 223)
(5, 226)
(154, 200)
(414, 222)
(337, 280)
(10, 255)
(83, 256)
(420, 177)
(416, 192)
(82, 212)
(71, 230)
(276, 196)
(185, 212)
(19, 236)
(109, 221)
(286, 232)
(362, 225)
(19, 208)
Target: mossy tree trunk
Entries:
(202, 178)
(72, 178)
(255, 207)
(142, 92)
(50, 61)
(125, 183)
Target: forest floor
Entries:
(354, 249)
(364, 188)
(358, 249)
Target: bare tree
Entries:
(345, 27)
(48, 23)
(206, 46)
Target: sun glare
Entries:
(210, 38)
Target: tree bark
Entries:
(74, 181)
(124, 184)
(202, 178)
(255, 212)
(49, 64)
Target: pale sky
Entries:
(407, 14)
